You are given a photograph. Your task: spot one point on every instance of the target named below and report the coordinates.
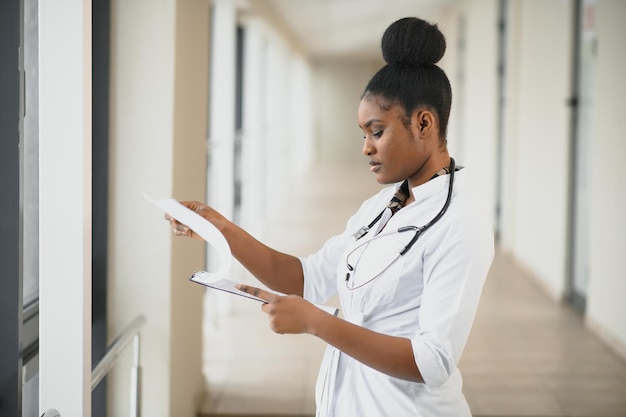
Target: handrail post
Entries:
(135, 380)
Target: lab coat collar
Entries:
(433, 187)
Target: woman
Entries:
(410, 266)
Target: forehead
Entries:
(371, 108)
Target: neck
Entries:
(432, 166)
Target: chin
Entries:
(386, 181)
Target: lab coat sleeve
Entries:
(320, 270)
(454, 274)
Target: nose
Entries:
(368, 148)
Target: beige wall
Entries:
(159, 54)
(189, 176)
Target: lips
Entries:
(374, 166)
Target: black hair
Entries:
(411, 79)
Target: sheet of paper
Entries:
(202, 228)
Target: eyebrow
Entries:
(370, 122)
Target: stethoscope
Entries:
(415, 229)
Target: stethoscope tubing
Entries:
(418, 230)
(364, 230)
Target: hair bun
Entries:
(413, 41)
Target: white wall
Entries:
(277, 136)
(537, 149)
(300, 133)
(538, 139)
(511, 115)
(65, 207)
(472, 130)
(338, 86)
(276, 123)
(607, 284)
(159, 67)
(222, 108)
(253, 135)
(448, 22)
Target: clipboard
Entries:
(226, 285)
(222, 284)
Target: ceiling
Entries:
(346, 28)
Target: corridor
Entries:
(527, 355)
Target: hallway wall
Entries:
(607, 280)
(537, 140)
(474, 132)
(338, 86)
(159, 96)
(537, 149)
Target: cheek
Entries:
(400, 149)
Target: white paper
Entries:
(202, 228)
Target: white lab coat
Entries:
(430, 296)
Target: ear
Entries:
(424, 121)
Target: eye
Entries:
(376, 135)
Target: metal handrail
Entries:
(104, 366)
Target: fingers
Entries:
(288, 314)
(194, 205)
(182, 230)
(178, 228)
(257, 292)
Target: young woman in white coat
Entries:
(409, 267)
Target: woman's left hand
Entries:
(392, 355)
(287, 313)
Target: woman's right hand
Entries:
(278, 271)
(203, 210)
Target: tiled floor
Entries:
(530, 356)
(527, 355)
